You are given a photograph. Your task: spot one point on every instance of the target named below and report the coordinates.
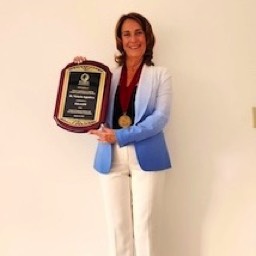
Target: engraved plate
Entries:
(82, 98)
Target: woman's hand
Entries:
(104, 135)
(79, 59)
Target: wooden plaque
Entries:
(82, 97)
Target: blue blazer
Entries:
(152, 111)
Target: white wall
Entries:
(49, 194)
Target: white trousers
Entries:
(132, 199)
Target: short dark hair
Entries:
(150, 38)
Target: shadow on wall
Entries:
(187, 198)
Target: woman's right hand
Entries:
(79, 59)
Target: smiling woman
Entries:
(132, 156)
(142, 29)
(134, 44)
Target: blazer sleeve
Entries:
(153, 122)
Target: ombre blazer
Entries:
(152, 111)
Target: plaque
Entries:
(82, 97)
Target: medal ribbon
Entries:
(126, 91)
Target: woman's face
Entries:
(133, 39)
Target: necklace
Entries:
(125, 120)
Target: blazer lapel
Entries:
(143, 92)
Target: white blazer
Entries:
(152, 111)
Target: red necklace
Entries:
(126, 93)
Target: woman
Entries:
(132, 155)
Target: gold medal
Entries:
(124, 121)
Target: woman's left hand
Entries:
(104, 135)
